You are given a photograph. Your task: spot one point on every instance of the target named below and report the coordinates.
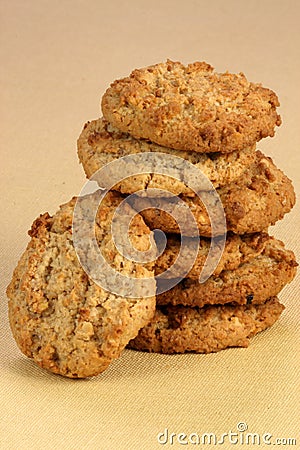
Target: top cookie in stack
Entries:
(192, 108)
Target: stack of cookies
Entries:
(214, 122)
(70, 317)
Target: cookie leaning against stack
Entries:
(213, 121)
(59, 316)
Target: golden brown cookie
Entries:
(258, 199)
(237, 250)
(191, 107)
(262, 277)
(100, 143)
(59, 317)
(180, 329)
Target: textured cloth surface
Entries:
(57, 61)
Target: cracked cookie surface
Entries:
(100, 143)
(59, 317)
(191, 107)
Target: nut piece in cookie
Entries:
(59, 316)
(191, 107)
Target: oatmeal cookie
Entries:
(262, 277)
(100, 143)
(192, 107)
(59, 316)
(237, 250)
(258, 199)
(180, 329)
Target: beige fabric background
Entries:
(57, 58)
